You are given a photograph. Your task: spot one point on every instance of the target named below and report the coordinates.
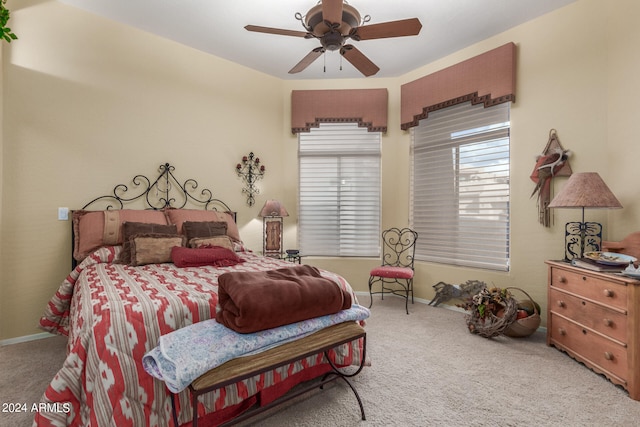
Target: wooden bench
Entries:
(248, 366)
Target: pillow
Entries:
(179, 216)
(131, 229)
(196, 257)
(222, 241)
(95, 229)
(193, 229)
(153, 248)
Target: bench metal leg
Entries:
(344, 376)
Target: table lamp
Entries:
(584, 190)
(272, 227)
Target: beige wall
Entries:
(89, 103)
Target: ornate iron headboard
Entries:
(164, 192)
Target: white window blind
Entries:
(339, 186)
(460, 186)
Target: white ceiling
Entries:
(217, 27)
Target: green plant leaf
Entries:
(7, 34)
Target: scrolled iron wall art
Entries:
(251, 171)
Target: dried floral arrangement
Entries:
(491, 311)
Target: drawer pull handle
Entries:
(560, 303)
(608, 322)
(608, 293)
(608, 356)
(562, 279)
(561, 331)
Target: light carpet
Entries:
(427, 370)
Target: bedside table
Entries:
(595, 318)
(292, 257)
(285, 256)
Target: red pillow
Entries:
(196, 257)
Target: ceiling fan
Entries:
(332, 22)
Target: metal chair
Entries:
(398, 250)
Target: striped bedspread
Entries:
(114, 314)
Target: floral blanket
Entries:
(184, 355)
(114, 314)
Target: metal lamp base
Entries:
(581, 237)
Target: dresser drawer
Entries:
(592, 287)
(589, 346)
(606, 321)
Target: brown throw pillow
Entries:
(153, 248)
(193, 229)
(222, 241)
(179, 216)
(130, 229)
(95, 229)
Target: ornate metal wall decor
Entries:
(251, 171)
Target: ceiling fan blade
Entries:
(332, 11)
(269, 30)
(402, 28)
(307, 60)
(358, 60)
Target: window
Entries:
(339, 186)
(460, 186)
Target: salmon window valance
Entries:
(367, 107)
(489, 78)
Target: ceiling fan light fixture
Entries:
(333, 40)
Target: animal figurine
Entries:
(446, 292)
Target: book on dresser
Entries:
(592, 265)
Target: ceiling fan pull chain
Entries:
(340, 62)
(324, 58)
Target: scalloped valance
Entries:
(367, 107)
(489, 78)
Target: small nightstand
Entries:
(297, 257)
(292, 257)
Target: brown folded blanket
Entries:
(254, 301)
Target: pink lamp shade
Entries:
(585, 190)
(273, 208)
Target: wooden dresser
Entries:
(595, 318)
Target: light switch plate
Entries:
(63, 214)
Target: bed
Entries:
(123, 295)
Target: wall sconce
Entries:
(272, 228)
(584, 190)
(250, 170)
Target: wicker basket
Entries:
(491, 325)
(524, 327)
